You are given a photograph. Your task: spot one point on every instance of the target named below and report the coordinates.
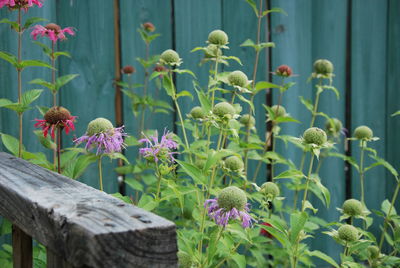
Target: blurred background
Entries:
(360, 37)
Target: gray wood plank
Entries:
(81, 224)
(22, 248)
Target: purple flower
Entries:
(231, 203)
(102, 135)
(156, 150)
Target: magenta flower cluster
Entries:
(53, 32)
(25, 4)
(156, 150)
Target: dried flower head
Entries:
(170, 57)
(159, 150)
(52, 31)
(334, 127)
(270, 189)
(363, 133)
(279, 110)
(373, 252)
(198, 113)
(238, 78)
(348, 233)
(218, 37)
(323, 67)
(23, 4)
(128, 69)
(102, 135)
(56, 117)
(352, 207)
(283, 71)
(315, 135)
(149, 27)
(231, 203)
(223, 109)
(248, 120)
(234, 163)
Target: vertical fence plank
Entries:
(90, 95)
(194, 20)
(327, 30)
(22, 248)
(54, 261)
(240, 23)
(369, 19)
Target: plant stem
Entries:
(158, 182)
(308, 181)
(53, 79)
(296, 192)
(59, 150)
(146, 81)
(19, 73)
(386, 221)
(225, 259)
(314, 114)
(362, 172)
(100, 174)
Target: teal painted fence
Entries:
(360, 37)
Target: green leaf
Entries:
(264, 85)
(63, 80)
(81, 164)
(168, 85)
(204, 101)
(33, 63)
(62, 53)
(184, 93)
(118, 156)
(13, 24)
(253, 6)
(383, 162)
(290, 174)
(349, 159)
(297, 222)
(396, 113)
(46, 142)
(11, 143)
(42, 82)
(9, 57)
(126, 199)
(147, 202)
(134, 184)
(239, 259)
(194, 172)
(322, 256)
(42, 109)
(307, 103)
(5, 102)
(184, 71)
(31, 21)
(248, 43)
(30, 96)
(5, 227)
(45, 48)
(385, 207)
(242, 98)
(214, 157)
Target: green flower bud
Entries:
(197, 113)
(232, 197)
(170, 57)
(334, 129)
(363, 133)
(200, 163)
(185, 260)
(270, 189)
(224, 108)
(279, 111)
(352, 207)
(99, 125)
(324, 67)
(248, 120)
(373, 252)
(234, 163)
(238, 78)
(315, 135)
(56, 114)
(218, 37)
(212, 51)
(348, 233)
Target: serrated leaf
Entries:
(33, 63)
(253, 6)
(383, 162)
(32, 20)
(134, 184)
(9, 57)
(264, 85)
(168, 86)
(248, 43)
(322, 256)
(386, 206)
(184, 71)
(11, 143)
(307, 103)
(13, 24)
(61, 53)
(5, 102)
(118, 156)
(63, 80)
(42, 82)
(204, 101)
(46, 142)
(193, 171)
(126, 199)
(297, 222)
(184, 93)
(30, 96)
(290, 174)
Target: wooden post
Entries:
(22, 248)
(55, 261)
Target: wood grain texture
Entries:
(81, 224)
(22, 248)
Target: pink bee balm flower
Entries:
(157, 150)
(52, 31)
(102, 135)
(231, 203)
(16, 4)
(56, 117)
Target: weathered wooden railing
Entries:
(79, 225)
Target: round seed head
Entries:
(335, 128)
(56, 114)
(363, 133)
(218, 37)
(185, 260)
(234, 163)
(238, 78)
(248, 120)
(54, 27)
(99, 125)
(315, 135)
(197, 113)
(270, 189)
(224, 108)
(232, 197)
(348, 233)
(352, 207)
(373, 252)
(128, 69)
(212, 51)
(284, 71)
(200, 163)
(279, 111)
(324, 67)
(170, 57)
(149, 27)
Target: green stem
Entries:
(308, 181)
(314, 114)
(59, 131)
(100, 174)
(362, 172)
(215, 81)
(54, 93)
(386, 221)
(159, 182)
(145, 86)
(226, 258)
(296, 192)
(19, 73)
